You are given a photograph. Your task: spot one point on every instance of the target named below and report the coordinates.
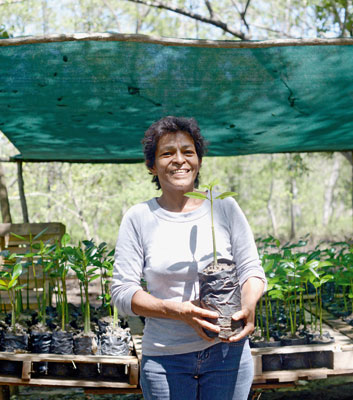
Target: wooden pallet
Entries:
(337, 359)
(130, 363)
(53, 232)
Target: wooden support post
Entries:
(4, 392)
(4, 198)
(22, 192)
(133, 374)
(26, 370)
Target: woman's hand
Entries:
(195, 316)
(145, 304)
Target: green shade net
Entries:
(93, 100)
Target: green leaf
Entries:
(40, 234)
(196, 195)
(213, 183)
(3, 287)
(94, 277)
(13, 282)
(18, 236)
(3, 282)
(225, 195)
(17, 270)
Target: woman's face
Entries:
(176, 163)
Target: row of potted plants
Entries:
(300, 281)
(65, 328)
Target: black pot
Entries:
(113, 345)
(256, 344)
(294, 341)
(11, 342)
(61, 343)
(220, 291)
(40, 344)
(86, 345)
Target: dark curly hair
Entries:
(171, 124)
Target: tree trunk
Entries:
(4, 198)
(348, 155)
(21, 190)
(269, 204)
(328, 199)
(294, 211)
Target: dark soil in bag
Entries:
(61, 343)
(86, 345)
(220, 291)
(40, 344)
(12, 342)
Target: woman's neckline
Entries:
(170, 209)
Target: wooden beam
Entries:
(22, 192)
(4, 198)
(116, 37)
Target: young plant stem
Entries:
(316, 308)
(267, 318)
(320, 297)
(215, 263)
(115, 317)
(27, 289)
(87, 323)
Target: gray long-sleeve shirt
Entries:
(168, 249)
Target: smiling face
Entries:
(176, 163)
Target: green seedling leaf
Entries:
(65, 239)
(3, 287)
(3, 283)
(196, 195)
(13, 282)
(226, 194)
(40, 234)
(18, 236)
(20, 287)
(29, 255)
(94, 277)
(17, 270)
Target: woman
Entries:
(167, 240)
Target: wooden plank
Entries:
(68, 358)
(257, 364)
(26, 370)
(56, 228)
(137, 342)
(113, 391)
(343, 360)
(63, 382)
(134, 374)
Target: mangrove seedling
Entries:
(83, 262)
(203, 196)
(9, 282)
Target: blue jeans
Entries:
(221, 372)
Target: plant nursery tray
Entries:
(306, 362)
(129, 366)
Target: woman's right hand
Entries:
(145, 304)
(195, 316)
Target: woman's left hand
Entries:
(251, 292)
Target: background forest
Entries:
(285, 195)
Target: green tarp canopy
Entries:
(89, 98)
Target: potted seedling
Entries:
(15, 339)
(219, 285)
(83, 262)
